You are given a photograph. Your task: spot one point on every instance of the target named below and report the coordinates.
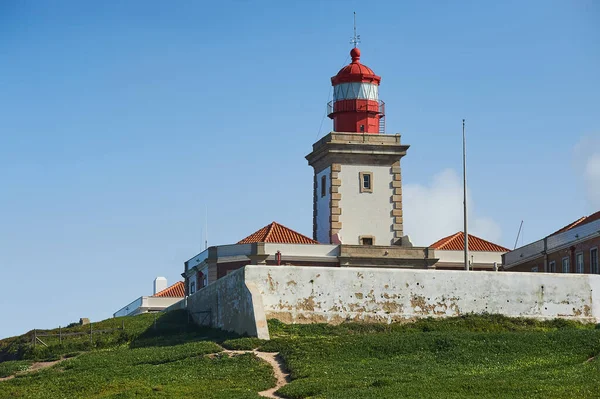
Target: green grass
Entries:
(466, 357)
(13, 367)
(246, 343)
(165, 359)
(140, 331)
(179, 371)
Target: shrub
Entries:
(12, 367)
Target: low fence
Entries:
(35, 336)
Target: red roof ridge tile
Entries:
(271, 227)
(277, 233)
(442, 242)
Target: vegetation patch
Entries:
(465, 357)
(161, 329)
(179, 371)
(241, 344)
(485, 356)
(12, 367)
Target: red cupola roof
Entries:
(355, 71)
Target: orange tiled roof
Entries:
(579, 222)
(456, 242)
(174, 291)
(277, 233)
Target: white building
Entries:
(483, 255)
(162, 298)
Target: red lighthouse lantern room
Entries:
(356, 107)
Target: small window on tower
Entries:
(323, 186)
(366, 240)
(366, 182)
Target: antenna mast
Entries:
(465, 196)
(206, 228)
(356, 38)
(518, 234)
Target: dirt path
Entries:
(33, 368)
(275, 361)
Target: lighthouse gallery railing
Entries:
(356, 105)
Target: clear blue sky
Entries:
(120, 122)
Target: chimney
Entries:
(160, 283)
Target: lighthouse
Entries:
(357, 188)
(356, 106)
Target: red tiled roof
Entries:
(277, 233)
(456, 242)
(174, 291)
(579, 222)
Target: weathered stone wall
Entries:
(231, 303)
(319, 294)
(243, 300)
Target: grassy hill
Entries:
(136, 331)
(466, 357)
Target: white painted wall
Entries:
(160, 302)
(296, 294)
(478, 257)
(323, 224)
(243, 300)
(144, 304)
(318, 252)
(366, 213)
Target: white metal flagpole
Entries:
(465, 197)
